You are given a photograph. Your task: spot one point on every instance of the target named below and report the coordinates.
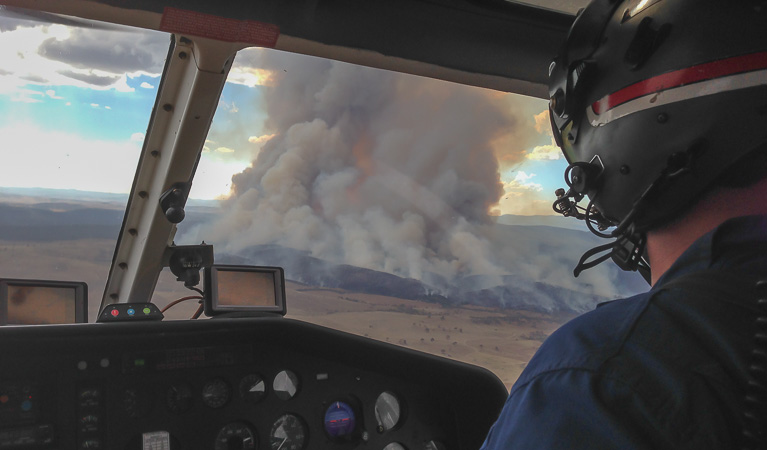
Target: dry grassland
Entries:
(500, 340)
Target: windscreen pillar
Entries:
(190, 88)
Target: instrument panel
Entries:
(224, 384)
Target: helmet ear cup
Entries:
(583, 177)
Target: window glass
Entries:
(406, 209)
(75, 100)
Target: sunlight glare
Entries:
(250, 76)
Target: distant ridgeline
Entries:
(539, 257)
(36, 214)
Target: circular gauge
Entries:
(252, 388)
(236, 435)
(178, 398)
(387, 411)
(340, 420)
(216, 393)
(435, 445)
(137, 402)
(288, 433)
(395, 446)
(285, 385)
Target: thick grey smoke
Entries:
(383, 171)
(375, 169)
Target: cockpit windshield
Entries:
(406, 209)
(402, 208)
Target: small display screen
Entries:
(244, 288)
(33, 302)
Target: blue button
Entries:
(131, 311)
(26, 405)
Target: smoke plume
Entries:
(374, 169)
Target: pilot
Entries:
(660, 107)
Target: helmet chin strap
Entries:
(627, 251)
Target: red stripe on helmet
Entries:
(694, 74)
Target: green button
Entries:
(147, 310)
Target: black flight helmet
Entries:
(651, 100)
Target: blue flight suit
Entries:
(665, 369)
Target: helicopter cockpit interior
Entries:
(261, 174)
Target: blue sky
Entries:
(99, 114)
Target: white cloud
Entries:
(521, 182)
(122, 85)
(260, 140)
(95, 105)
(224, 150)
(146, 85)
(545, 153)
(27, 96)
(523, 197)
(137, 137)
(523, 176)
(52, 94)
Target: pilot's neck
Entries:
(666, 244)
